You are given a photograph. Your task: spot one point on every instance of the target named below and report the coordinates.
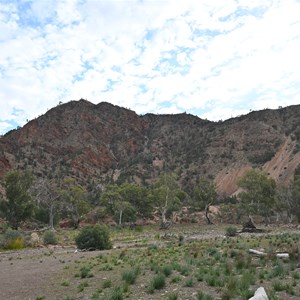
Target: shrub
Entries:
(189, 282)
(130, 276)
(231, 231)
(167, 270)
(93, 237)
(85, 271)
(116, 294)
(158, 281)
(15, 244)
(107, 284)
(12, 240)
(172, 296)
(50, 238)
(202, 296)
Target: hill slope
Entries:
(104, 143)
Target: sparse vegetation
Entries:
(167, 172)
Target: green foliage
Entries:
(85, 271)
(167, 195)
(50, 238)
(12, 240)
(82, 286)
(202, 296)
(297, 173)
(130, 276)
(124, 211)
(116, 294)
(231, 231)
(125, 201)
(93, 237)
(18, 205)
(288, 199)
(172, 296)
(107, 284)
(258, 196)
(261, 158)
(204, 193)
(48, 201)
(158, 282)
(74, 198)
(167, 270)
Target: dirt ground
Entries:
(29, 274)
(32, 274)
(36, 274)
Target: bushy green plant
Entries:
(50, 238)
(12, 240)
(85, 271)
(158, 281)
(93, 237)
(107, 284)
(231, 231)
(173, 296)
(202, 296)
(130, 276)
(167, 270)
(16, 244)
(116, 294)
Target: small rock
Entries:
(35, 238)
(260, 294)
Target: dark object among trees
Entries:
(250, 227)
(165, 225)
(209, 222)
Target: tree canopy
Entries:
(17, 205)
(258, 195)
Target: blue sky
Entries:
(212, 58)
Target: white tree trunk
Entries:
(120, 217)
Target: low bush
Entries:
(85, 271)
(50, 238)
(116, 294)
(130, 276)
(231, 231)
(158, 281)
(12, 240)
(93, 238)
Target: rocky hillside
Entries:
(104, 143)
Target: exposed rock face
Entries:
(103, 143)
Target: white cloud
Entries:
(195, 55)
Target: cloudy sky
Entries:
(212, 58)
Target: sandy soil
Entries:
(31, 273)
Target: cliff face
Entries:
(104, 143)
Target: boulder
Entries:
(260, 294)
(35, 239)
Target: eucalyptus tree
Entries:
(17, 205)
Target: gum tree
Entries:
(258, 195)
(17, 205)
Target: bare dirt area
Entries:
(196, 258)
(28, 274)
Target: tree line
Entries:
(29, 198)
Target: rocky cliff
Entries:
(104, 143)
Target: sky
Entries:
(215, 59)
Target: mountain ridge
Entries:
(102, 143)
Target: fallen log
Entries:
(250, 227)
(261, 253)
